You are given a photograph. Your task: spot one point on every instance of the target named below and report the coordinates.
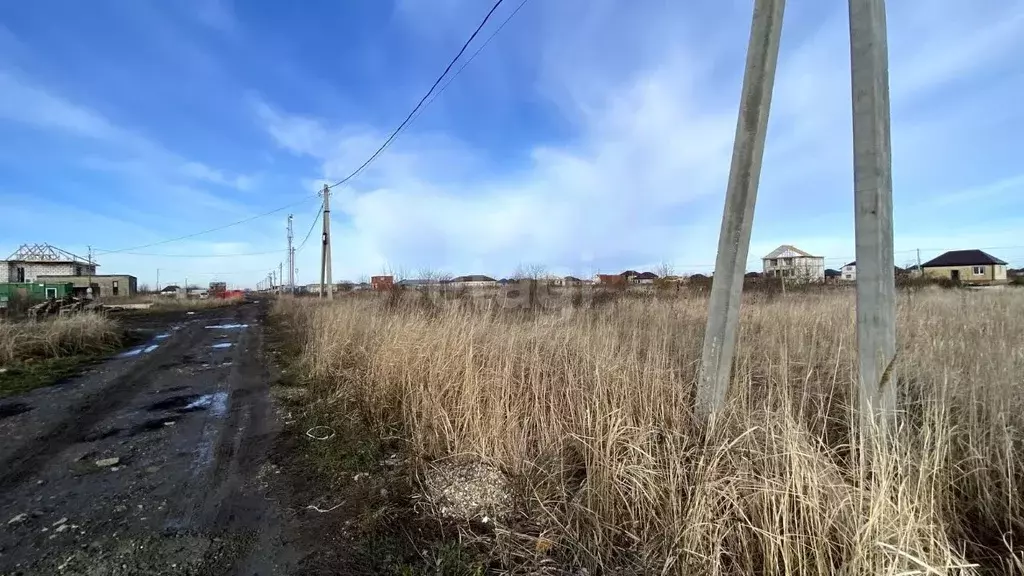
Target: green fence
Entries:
(33, 291)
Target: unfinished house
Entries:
(51, 265)
(790, 262)
(31, 261)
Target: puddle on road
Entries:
(13, 409)
(216, 403)
(227, 326)
(162, 336)
(140, 350)
(221, 345)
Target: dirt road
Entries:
(156, 462)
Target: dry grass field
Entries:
(588, 411)
(58, 337)
(165, 303)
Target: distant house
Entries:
(643, 278)
(416, 283)
(849, 271)
(473, 281)
(171, 290)
(382, 282)
(832, 275)
(790, 262)
(566, 281)
(609, 280)
(967, 266)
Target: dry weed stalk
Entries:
(589, 411)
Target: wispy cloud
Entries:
(642, 178)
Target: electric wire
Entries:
(310, 231)
(469, 60)
(208, 231)
(419, 104)
(423, 102)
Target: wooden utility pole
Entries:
(325, 251)
(737, 220)
(872, 176)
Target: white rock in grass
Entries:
(468, 491)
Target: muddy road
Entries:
(157, 461)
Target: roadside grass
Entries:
(38, 353)
(588, 411)
(164, 303)
(360, 476)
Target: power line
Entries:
(198, 255)
(470, 59)
(311, 226)
(422, 100)
(194, 234)
(419, 105)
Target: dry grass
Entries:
(169, 303)
(589, 411)
(78, 334)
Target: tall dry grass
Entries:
(58, 337)
(170, 303)
(590, 410)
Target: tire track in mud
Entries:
(84, 414)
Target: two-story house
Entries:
(790, 262)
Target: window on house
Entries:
(787, 261)
(775, 261)
(114, 288)
(20, 274)
(979, 270)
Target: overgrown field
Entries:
(164, 303)
(35, 353)
(587, 410)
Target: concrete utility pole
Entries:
(88, 290)
(280, 275)
(872, 176)
(325, 252)
(291, 257)
(157, 279)
(737, 220)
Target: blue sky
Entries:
(589, 135)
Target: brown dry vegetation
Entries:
(58, 337)
(588, 410)
(169, 303)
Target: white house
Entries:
(790, 262)
(849, 272)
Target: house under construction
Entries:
(48, 264)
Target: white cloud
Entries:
(23, 102)
(642, 177)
